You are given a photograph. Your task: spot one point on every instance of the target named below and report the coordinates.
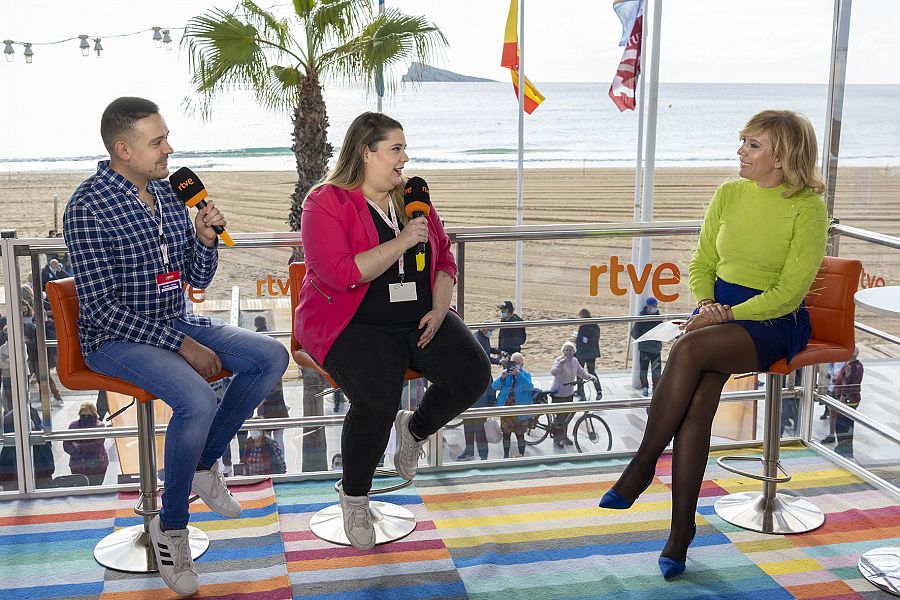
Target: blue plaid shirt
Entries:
(113, 241)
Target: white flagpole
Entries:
(379, 79)
(520, 169)
(650, 154)
(633, 307)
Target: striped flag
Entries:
(631, 14)
(510, 59)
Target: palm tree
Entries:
(283, 62)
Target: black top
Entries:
(376, 307)
(639, 329)
(587, 342)
(511, 340)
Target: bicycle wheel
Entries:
(538, 429)
(592, 434)
(589, 391)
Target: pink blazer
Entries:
(336, 226)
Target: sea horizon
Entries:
(576, 127)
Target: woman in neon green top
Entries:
(761, 244)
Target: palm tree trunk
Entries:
(311, 151)
(311, 147)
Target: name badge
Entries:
(167, 282)
(402, 292)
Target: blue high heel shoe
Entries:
(671, 568)
(611, 499)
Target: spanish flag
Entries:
(510, 59)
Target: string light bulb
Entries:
(84, 45)
(97, 47)
(157, 37)
(29, 53)
(8, 50)
(167, 39)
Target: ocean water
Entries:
(465, 125)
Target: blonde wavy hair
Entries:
(366, 131)
(794, 144)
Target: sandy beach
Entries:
(556, 273)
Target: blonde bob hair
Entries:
(794, 144)
(567, 345)
(366, 131)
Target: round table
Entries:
(881, 566)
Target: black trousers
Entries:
(369, 363)
(650, 361)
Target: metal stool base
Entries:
(392, 522)
(881, 567)
(782, 514)
(128, 549)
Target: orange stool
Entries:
(391, 521)
(127, 549)
(831, 311)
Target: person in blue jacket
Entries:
(514, 388)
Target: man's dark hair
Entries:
(120, 116)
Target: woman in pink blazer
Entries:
(366, 313)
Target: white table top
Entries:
(884, 300)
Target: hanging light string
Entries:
(161, 38)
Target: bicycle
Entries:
(591, 432)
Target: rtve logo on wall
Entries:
(664, 274)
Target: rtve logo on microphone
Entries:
(185, 184)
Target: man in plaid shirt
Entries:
(133, 247)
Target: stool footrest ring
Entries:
(384, 473)
(723, 460)
(139, 510)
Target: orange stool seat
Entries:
(126, 549)
(391, 521)
(831, 310)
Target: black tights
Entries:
(683, 407)
(369, 364)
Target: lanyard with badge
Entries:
(402, 291)
(169, 280)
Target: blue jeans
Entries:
(199, 430)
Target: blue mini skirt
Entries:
(774, 339)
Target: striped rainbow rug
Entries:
(536, 533)
(46, 550)
(503, 533)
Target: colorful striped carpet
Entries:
(514, 532)
(46, 550)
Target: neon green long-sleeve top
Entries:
(757, 238)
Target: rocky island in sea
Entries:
(419, 72)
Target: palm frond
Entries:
(228, 53)
(338, 20)
(389, 39)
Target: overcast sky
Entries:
(779, 41)
(573, 40)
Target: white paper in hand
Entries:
(664, 332)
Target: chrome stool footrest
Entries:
(128, 549)
(723, 460)
(779, 515)
(391, 521)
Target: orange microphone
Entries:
(191, 191)
(417, 203)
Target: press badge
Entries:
(402, 292)
(167, 282)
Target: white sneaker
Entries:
(173, 556)
(210, 486)
(406, 457)
(357, 520)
